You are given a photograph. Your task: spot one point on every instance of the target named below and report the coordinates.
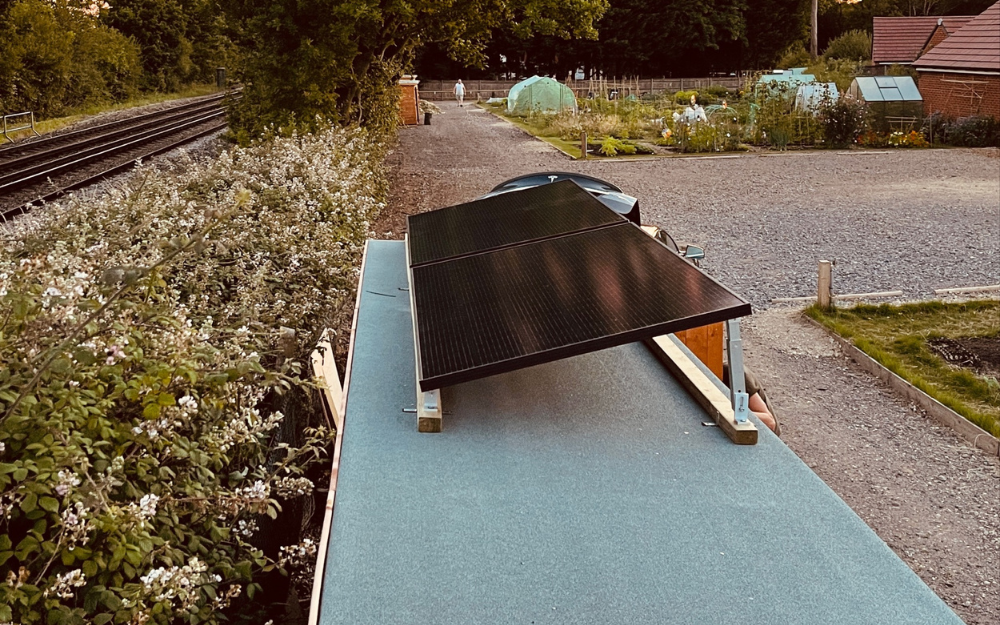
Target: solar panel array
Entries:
(542, 274)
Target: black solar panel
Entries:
(502, 220)
(520, 306)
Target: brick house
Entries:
(961, 75)
(945, 27)
(900, 40)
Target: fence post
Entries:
(583, 145)
(824, 296)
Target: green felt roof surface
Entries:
(581, 491)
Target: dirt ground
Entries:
(912, 220)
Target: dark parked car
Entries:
(609, 195)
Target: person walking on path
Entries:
(460, 92)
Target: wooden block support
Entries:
(429, 411)
(703, 390)
(705, 343)
(325, 371)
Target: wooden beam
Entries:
(703, 390)
(341, 409)
(325, 371)
(968, 289)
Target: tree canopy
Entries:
(338, 58)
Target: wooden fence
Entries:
(484, 89)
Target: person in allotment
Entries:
(460, 92)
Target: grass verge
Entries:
(566, 147)
(897, 336)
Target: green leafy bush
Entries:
(976, 131)
(181, 41)
(684, 97)
(55, 57)
(773, 115)
(854, 45)
(151, 340)
(843, 119)
(611, 146)
(794, 55)
(839, 71)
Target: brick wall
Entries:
(957, 95)
(940, 34)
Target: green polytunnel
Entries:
(540, 94)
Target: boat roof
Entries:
(585, 490)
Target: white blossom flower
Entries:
(289, 487)
(67, 481)
(147, 506)
(293, 556)
(65, 583)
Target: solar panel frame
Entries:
(650, 263)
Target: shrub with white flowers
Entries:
(144, 351)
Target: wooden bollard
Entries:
(824, 295)
(583, 145)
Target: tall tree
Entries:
(771, 26)
(181, 40)
(339, 58)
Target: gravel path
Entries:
(909, 220)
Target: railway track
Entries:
(44, 169)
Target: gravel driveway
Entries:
(908, 220)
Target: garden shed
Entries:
(894, 101)
(540, 94)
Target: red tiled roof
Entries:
(945, 27)
(954, 22)
(974, 47)
(900, 39)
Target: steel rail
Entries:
(40, 173)
(29, 164)
(31, 146)
(107, 173)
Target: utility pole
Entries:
(814, 42)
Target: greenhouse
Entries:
(894, 101)
(540, 94)
(809, 96)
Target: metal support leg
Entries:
(737, 380)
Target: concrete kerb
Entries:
(975, 435)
